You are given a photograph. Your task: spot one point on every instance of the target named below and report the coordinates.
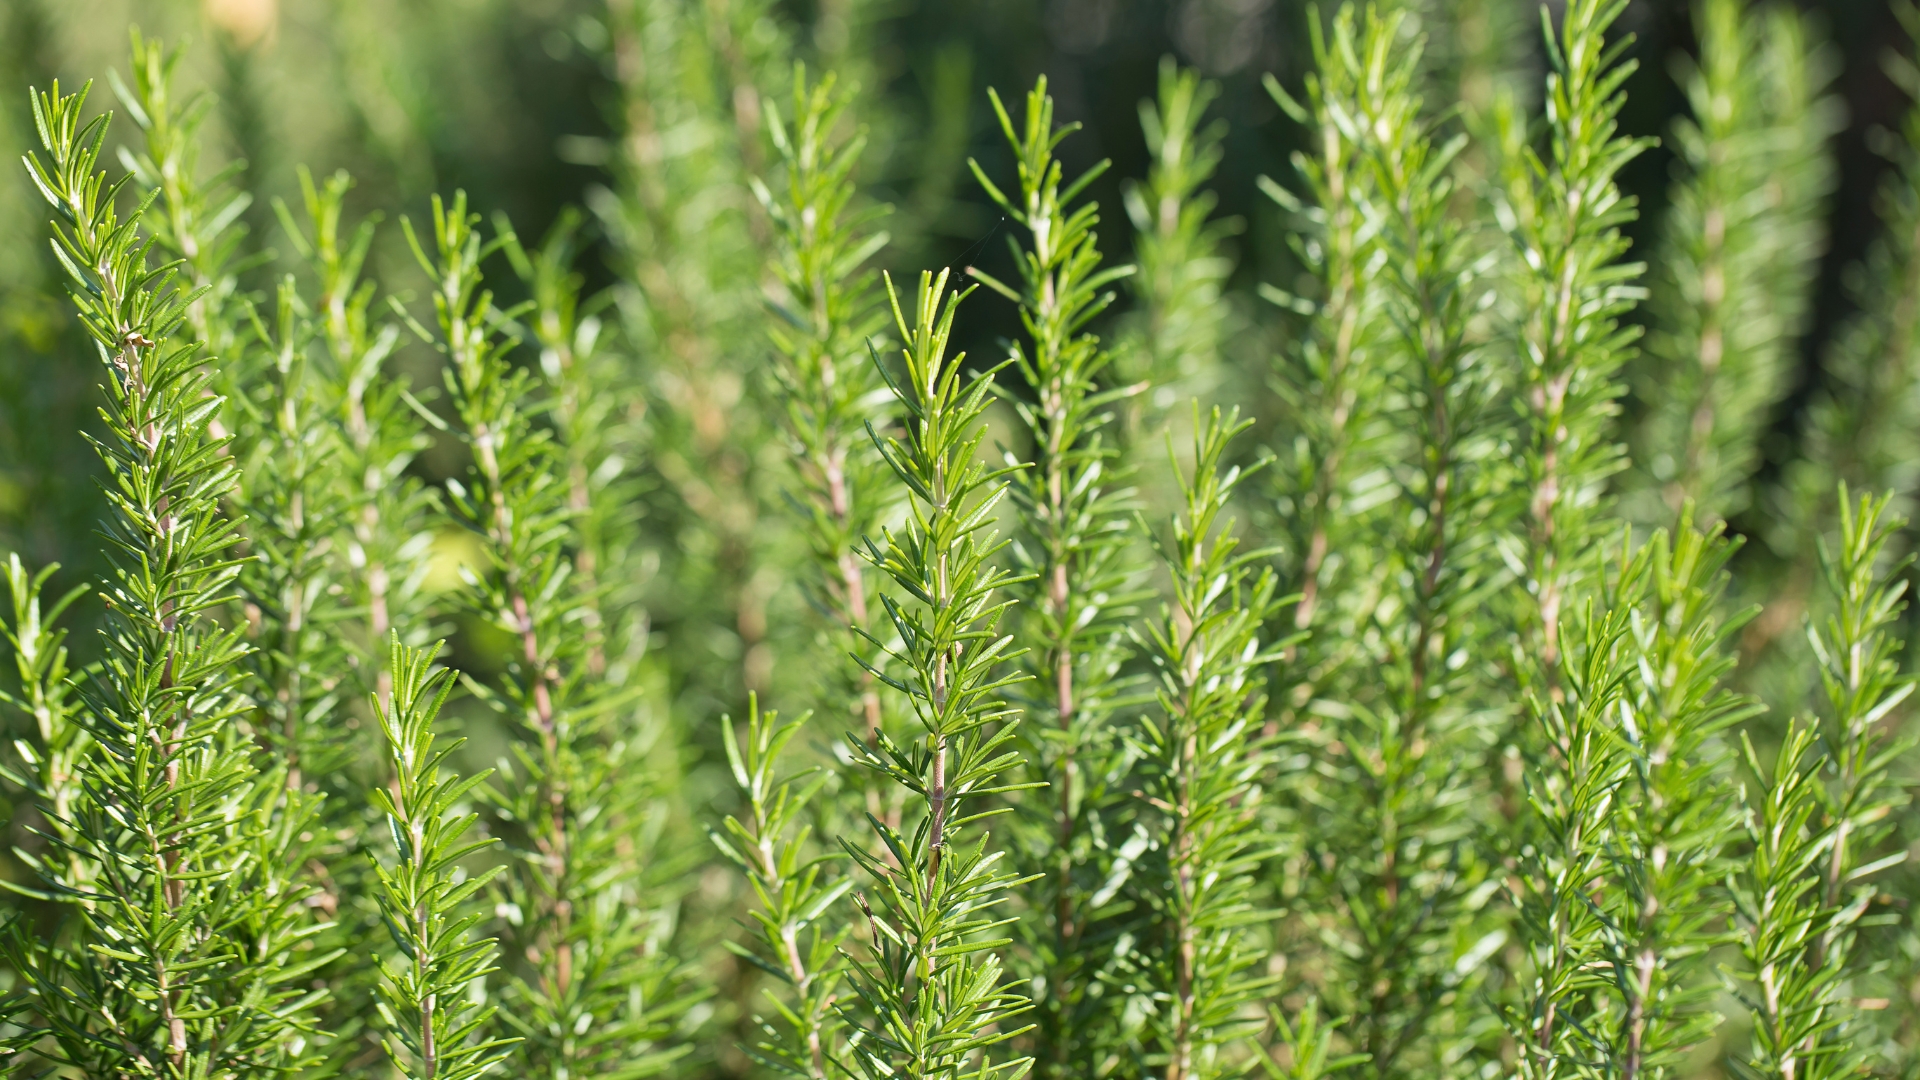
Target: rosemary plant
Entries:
(287, 493)
(827, 310)
(1563, 213)
(1203, 761)
(825, 314)
(196, 219)
(1330, 393)
(290, 488)
(370, 519)
(690, 252)
(1675, 817)
(1399, 887)
(435, 1029)
(594, 419)
(49, 766)
(1077, 592)
(1429, 771)
(932, 983)
(1858, 429)
(1564, 1011)
(1179, 245)
(382, 546)
(1742, 244)
(794, 892)
(1630, 797)
(1861, 684)
(582, 986)
(1820, 832)
(186, 954)
(1799, 1019)
(1309, 1043)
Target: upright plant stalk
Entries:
(1859, 428)
(1803, 1028)
(1861, 682)
(1676, 816)
(593, 420)
(383, 538)
(582, 986)
(827, 310)
(189, 944)
(1401, 887)
(936, 1007)
(339, 402)
(1622, 894)
(826, 313)
(295, 495)
(1080, 583)
(197, 219)
(1562, 1016)
(434, 1029)
(1329, 388)
(1179, 245)
(292, 491)
(1740, 249)
(1204, 761)
(794, 892)
(1820, 834)
(288, 493)
(49, 765)
(1563, 212)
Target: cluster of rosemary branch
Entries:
(1423, 715)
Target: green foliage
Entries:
(1202, 761)
(352, 547)
(293, 509)
(932, 980)
(828, 312)
(1861, 683)
(1623, 892)
(433, 1027)
(381, 527)
(1859, 423)
(826, 317)
(794, 892)
(1676, 812)
(574, 799)
(1820, 833)
(1572, 802)
(1308, 1046)
(1563, 213)
(195, 219)
(1077, 591)
(1330, 391)
(190, 924)
(681, 219)
(1742, 245)
(1179, 243)
(1398, 885)
(48, 766)
(1797, 1012)
(1421, 754)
